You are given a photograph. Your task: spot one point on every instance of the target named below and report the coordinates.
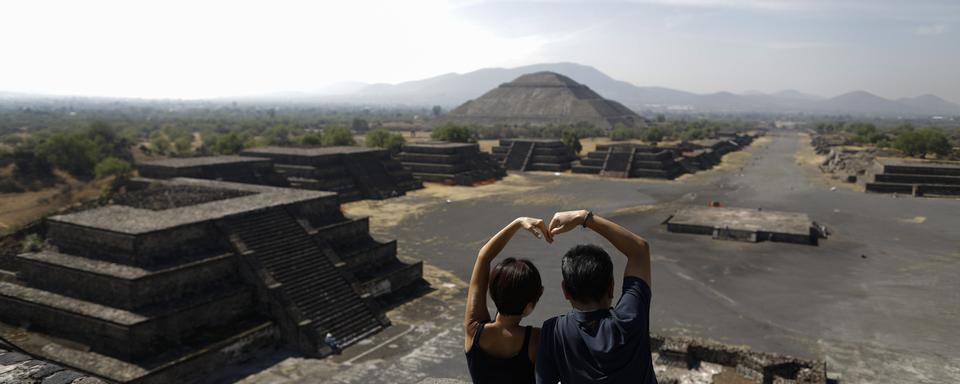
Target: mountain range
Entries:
(452, 89)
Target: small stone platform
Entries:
(450, 163)
(534, 155)
(249, 170)
(355, 173)
(913, 177)
(630, 160)
(172, 292)
(744, 224)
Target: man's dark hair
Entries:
(587, 273)
(514, 283)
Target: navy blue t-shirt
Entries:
(604, 346)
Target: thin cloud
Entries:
(930, 30)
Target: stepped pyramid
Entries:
(543, 98)
(177, 278)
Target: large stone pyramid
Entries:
(543, 98)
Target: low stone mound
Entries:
(913, 177)
(534, 155)
(450, 163)
(744, 224)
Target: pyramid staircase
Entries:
(617, 163)
(519, 156)
(540, 155)
(630, 160)
(311, 291)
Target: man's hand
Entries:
(536, 227)
(566, 221)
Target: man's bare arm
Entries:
(634, 247)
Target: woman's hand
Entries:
(535, 226)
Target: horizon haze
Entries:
(184, 50)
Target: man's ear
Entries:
(566, 295)
(610, 289)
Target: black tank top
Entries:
(488, 369)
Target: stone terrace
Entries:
(451, 163)
(168, 295)
(914, 177)
(744, 224)
(630, 160)
(533, 155)
(355, 173)
(250, 170)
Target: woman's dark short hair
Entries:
(587, 273)
(514, 283)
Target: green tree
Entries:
(384, 139)
(359, 125)
(311, 140)
(453, 133)
(277, 135)
(73, 153)
(376, 138)
(572, 140)
(112, 166)
(29, 165)
(159, 142)
(337, 136)
(621, 133)
(225, 144)
(653, 135)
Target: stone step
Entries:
(435, 167)
(125, 286)
(549, 167)
(916, 179)
(309, 279)
(116, 332)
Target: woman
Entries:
(502, 351)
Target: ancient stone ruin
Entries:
(691, 360)
(630, 160)
(355, 173)
(534, 155)
(744, 224)
(913, 177)
(450, 163)
(183, 276)
(543, 98)
(240, 169)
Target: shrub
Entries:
(31, 243)
(311, 140)
(572, 140)
(337, 136)
(112, 166)
(384, 139)
(453, 133)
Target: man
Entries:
(595, 343)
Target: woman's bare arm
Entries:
(477, 311)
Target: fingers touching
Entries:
(537, 228)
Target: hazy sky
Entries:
(197, 48)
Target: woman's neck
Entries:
(508, 320)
